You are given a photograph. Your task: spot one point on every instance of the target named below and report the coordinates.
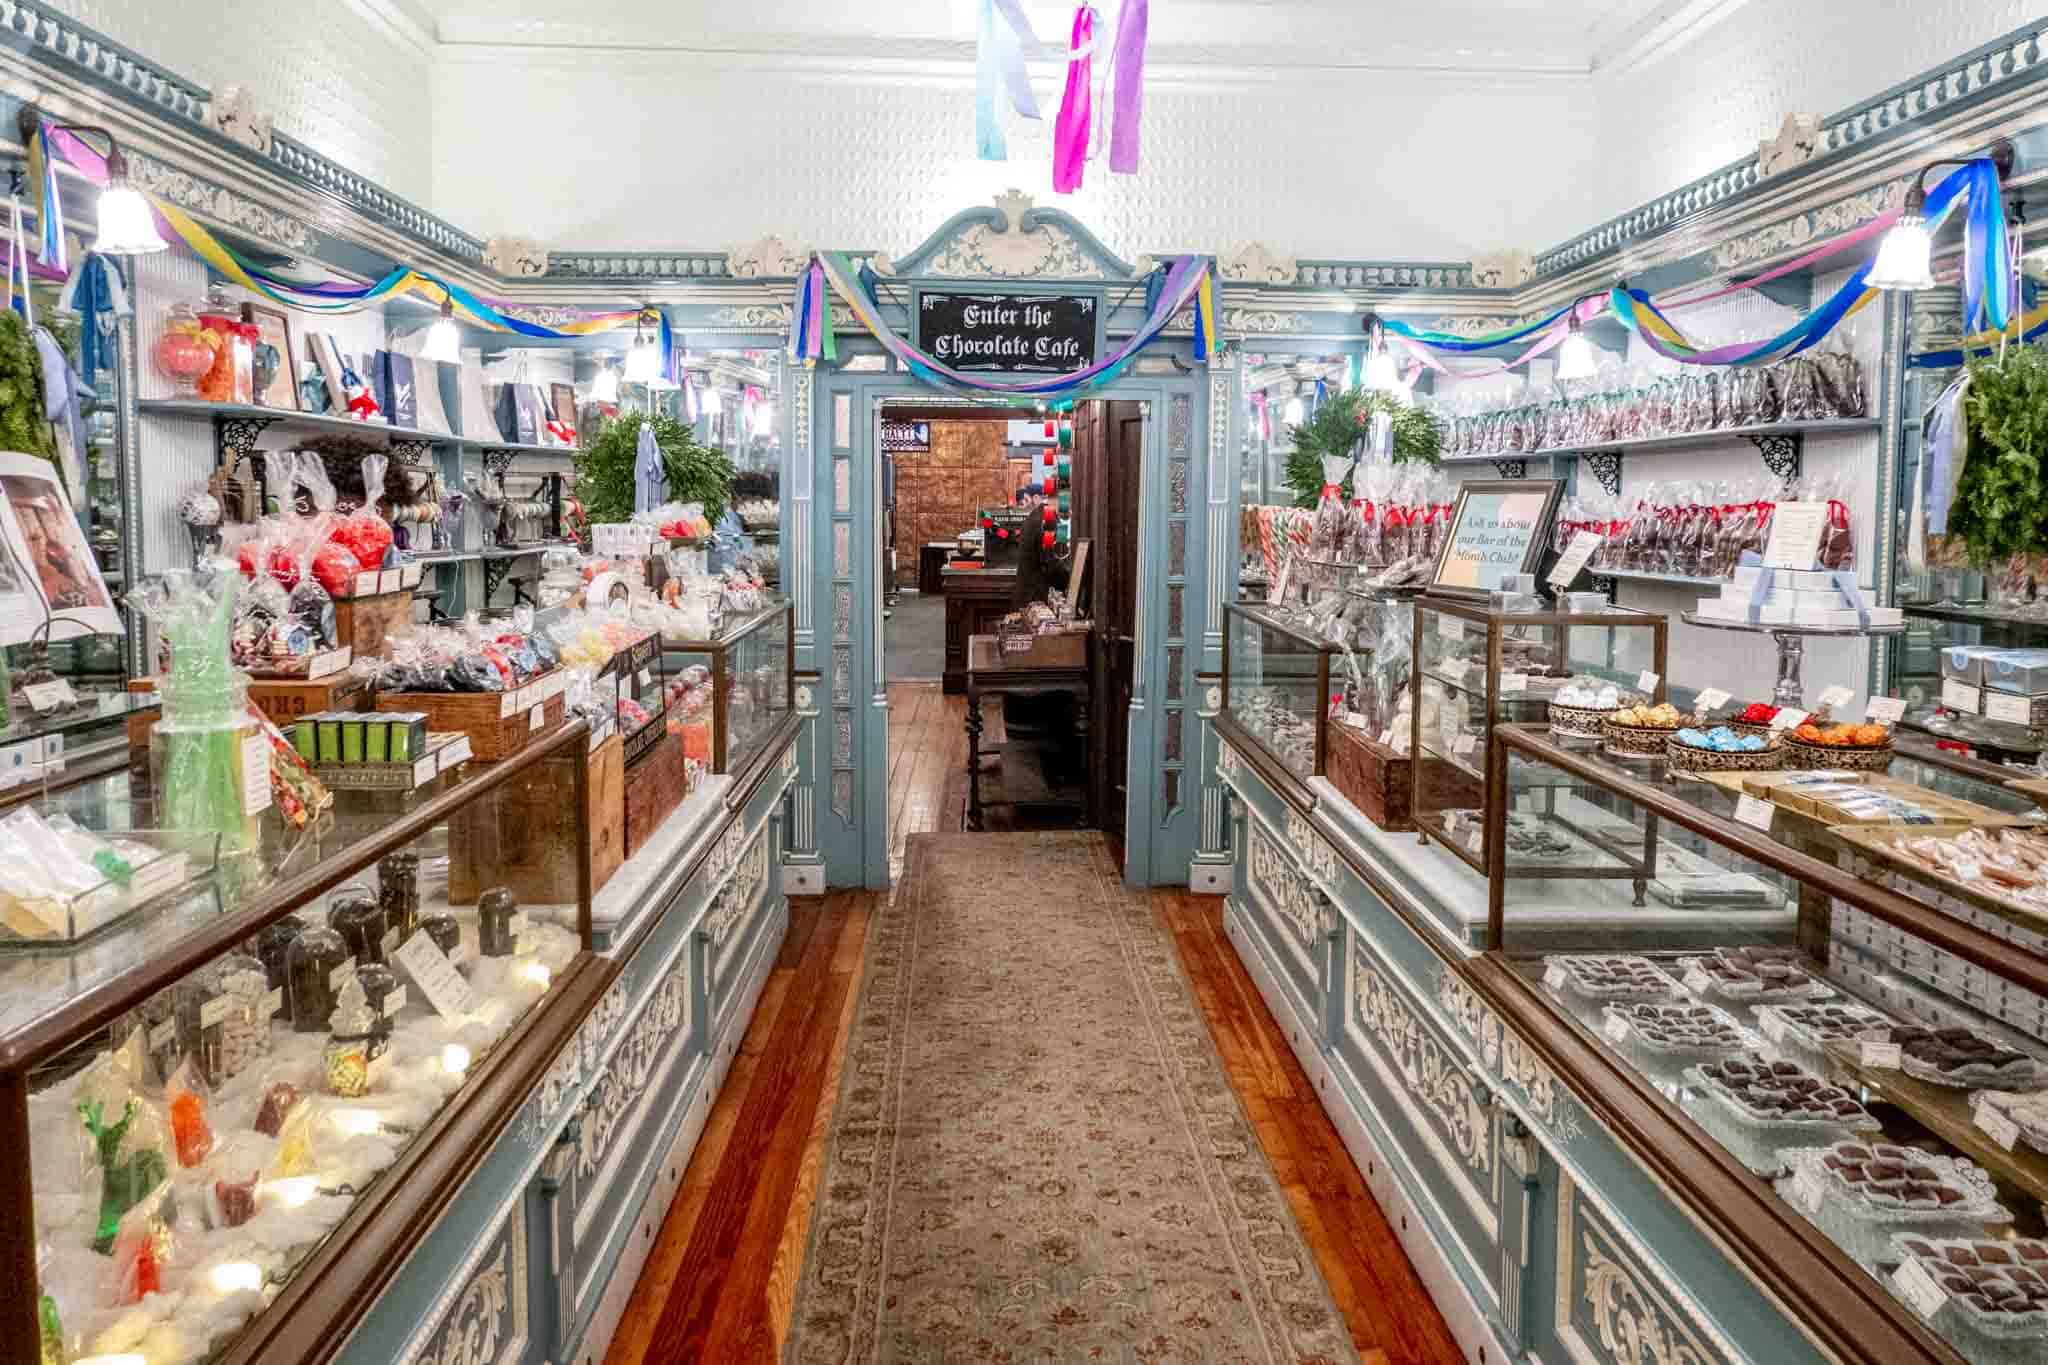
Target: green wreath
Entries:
(1334, 431)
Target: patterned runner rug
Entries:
(1036, 1154)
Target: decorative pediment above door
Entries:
(1012, 240)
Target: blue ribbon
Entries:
(95, 300)
(650, 480)
(1000, 56)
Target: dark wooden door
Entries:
(1109, 458)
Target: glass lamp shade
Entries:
(1294, 411)
(643, 363)
(1382, 375)
(709, 403)
(444, 342)
(127, 228)
(1575, 357)
(1905, 260)
(605, 388)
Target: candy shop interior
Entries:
(567, 755)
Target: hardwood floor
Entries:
(720, 1282)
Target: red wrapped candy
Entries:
(335, 566)
(365, 535)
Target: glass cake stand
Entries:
(1791, 688)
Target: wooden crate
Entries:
(499, 724)
(655, 786)
(285, 702)
(524, 836)
(1372, 776)
(365, 622)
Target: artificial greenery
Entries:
(604, 469)
(23, 427)
(2001, 505)
(1340, 422)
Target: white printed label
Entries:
(1885, 710)
(1998, 1126)
(1960, 696)
(425, 770)
(1465, 744)
(1788, 717)
(1808, 1190)
(433, 971)
(458, 752)
(1697, 981)
(1753, 811)
(255, 774)
(1514, 682)
(1575, 557)
(273, 1001)
(49, 696)
(394, 1001)
(1646, 681)
(1835, 696)
(163, 1035)
(214, 1010)
(1616, 1028)
(1387, 736)
(508, 702)
(338, 978)
(537, 717)
(1711, 698)
(1918, 1288)
(1451, 627)
(646, 678)
(2013, 710)
(391, 580)
(1796, 529)
(1554, 976)
(365, 584)
(1879, 1056)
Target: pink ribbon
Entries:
(1128, 76)
(1265, 416)
(1077, 107)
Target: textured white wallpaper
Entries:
(350, 78)
(666, 149)
(1670, 120)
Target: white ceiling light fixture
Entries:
(127, 226)
(643, 362)
(1575, 358)
(1382, 373)
(1296, 410)
(605, 387)
(1905, 258)
(444, 338)
(711, 404)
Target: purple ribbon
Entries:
(1128, 78)
(1077, 109)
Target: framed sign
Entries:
(1009, 333)
(1498, 527)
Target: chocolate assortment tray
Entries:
(1753, 976)
(1859, 1193)
(1963, 1059)
(1662, 1036)
(2027, 1113)
(1989, 1298)
(1755, 1107)
(1802, 1029)
(1608, 977)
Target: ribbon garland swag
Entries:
(1004, 42)
(338, 296)
(1185, 282)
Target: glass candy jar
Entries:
(359, 918)
(319, 964)
(181, 353)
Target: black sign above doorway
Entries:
(1009, 333)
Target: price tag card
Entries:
(394, 1001)
(409, 576)
(1554, 976)
(365, 584)
(1451, 627)
(1465, 744)
(1387, 735)
(1514, 682)
(391, 580)
(1835, 696)
(163, 1035)
(1753, 811)
(1958, 695)
(256, 774)
(1646, 681)
(1616, 1028)
(49, 696)
(507, 704)
(1918, 1288)
(1885, 710)
(1789, 718)
(1796, 529)
(1878, 1056)
(458, 752)
(1575, 557)
(537, 717)
(1808, 1189)
(2014, 710)
(329, 662)
(646, 677)
(273, 1001)
(430, 969)
(1697, 981)
(1711, 699)
(426, 769)
(1997, 1125)
(214, 1010)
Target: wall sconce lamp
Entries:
(127, 227)
(1905, 259)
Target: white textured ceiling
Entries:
(1564, 36)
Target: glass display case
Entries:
(1276, 683)
(1832, 1013)
(729, 693)
(1476, 666)
(194, 1099)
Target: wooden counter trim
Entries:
(312, 1318)
(102, 1004)
(1834, 1300)
(2003, 959)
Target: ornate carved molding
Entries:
(1255, 263)
(1797, 138)
(1633, 1326)
(1508, 268)
(1431, 1074)
(766, 257)
(1304, 909)
(1472, 326)
(516, 257)
(638, 265)
(1012, 241)
(471, 1333)
(625, 1079)
(1503, 1054)
(224, 206)
(1315, 852)
(235, 114)
(736, 897)
(1803, 228)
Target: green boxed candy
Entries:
(378, 734)
(329, 724)
(352, 746)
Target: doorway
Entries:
(842, 631)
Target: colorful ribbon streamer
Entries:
(1077, 107)
(42, 174)
(1128, 79)
(1005, 42)
(1205, 317)
(1185, 279)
